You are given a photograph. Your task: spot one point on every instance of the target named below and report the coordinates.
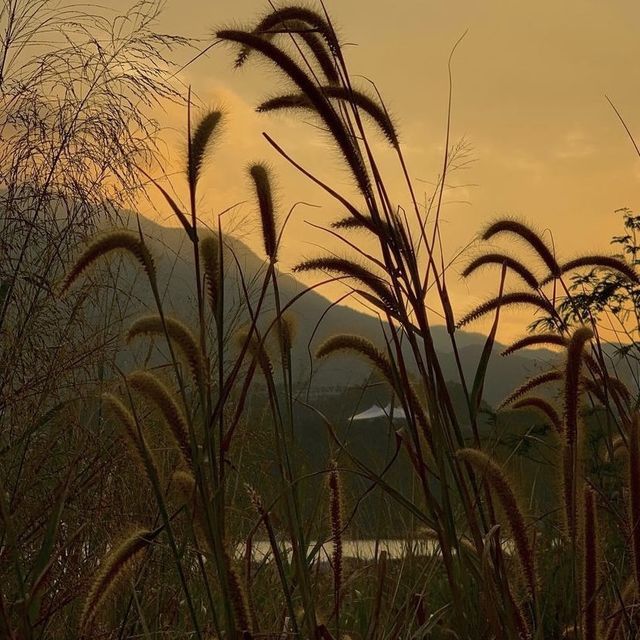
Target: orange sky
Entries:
(530, 80)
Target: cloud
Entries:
(575, 144)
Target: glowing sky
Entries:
(530, 80)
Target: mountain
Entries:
(315, 318)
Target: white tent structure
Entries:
(377, 412)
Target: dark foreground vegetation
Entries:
(175, 473)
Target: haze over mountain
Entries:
(315, 318)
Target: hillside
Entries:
(174, 262)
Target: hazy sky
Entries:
(530, 80)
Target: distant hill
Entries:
(174, 261)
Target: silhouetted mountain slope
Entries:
(175, 269)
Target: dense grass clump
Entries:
(212, 492)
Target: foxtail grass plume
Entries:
(281, 17)
(488, 470)
(366, 349)
(542, 406)
(179, 334)
(528, 385)
(536, 340)
(308, 87)
(286, 329)
(522, 231)
(607, 263)
(314, 42)
(350, 269)
(262, 183)
(183, 485)
(572, 456)
(358, 99)
(238, 597)
(507, 300)
(125, 241)
(111, 574)
(499, 259)
(200, 144)
(126, 421)
(351, 222)
(210, 259)
(157, 392)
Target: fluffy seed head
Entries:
(500, 259)
(200, 144)
(544, 407)
(521, 230)
(536, 340)
(528, 385)
(113, 569)
(572, 377)
(607, 263)
(157, 392)
(335, 518)
(113, 241)
(488, 470)
(127, 422)
(367, 350)
(238, 597)
(184, 485)
(507, 300)
(305, 23)
(350, 269)
(352, 97)
(179, 334)
(262, 183)
(634, 493)
(590, 568)
(211, 267)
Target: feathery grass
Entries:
(488, 470)
(526, 233)
(500, 259)
(179, 334)
(262, 184)
(349, 96)
(518, 298)
(200, 143)
(113, 241)
(112, 573)
(157, 392)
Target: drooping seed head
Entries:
(179, 334)
(125, 241)
(157, 392)
(536, 340)
(507, 300)
(544, 407)
(350, 269)
(489, 471)
(528, 385)
(531, 237)
(110, 576)
(499, 259)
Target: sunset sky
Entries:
(529, 100)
